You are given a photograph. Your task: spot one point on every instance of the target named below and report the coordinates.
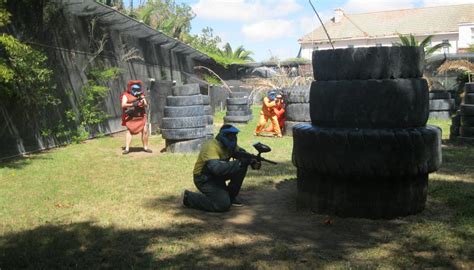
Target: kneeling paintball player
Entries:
(213, 168)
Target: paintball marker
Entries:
(261, 148)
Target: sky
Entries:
(272, 27)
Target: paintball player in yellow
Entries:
(268, 112)
(213, 168)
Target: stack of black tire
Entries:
(297, 107)
(441, 104)
(238, 108)
(368, 151)
(208, 112)
(185, 123)
(466, 128)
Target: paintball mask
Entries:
(271, 95)
(136, 90)
(229, 141)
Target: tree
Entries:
(410, 41)
(167, 16)
(206, 41)
(239, 54)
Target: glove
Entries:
(245, 162)
(255, 164)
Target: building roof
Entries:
(125, 24)
(418, 21)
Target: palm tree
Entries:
(240, 53)
(410, 41)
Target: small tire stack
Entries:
(185, 122)
(466, 128)
(441, 104)
(209, 115)
(297, 107)
(368, 151)
(238, 108)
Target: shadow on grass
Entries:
(269, 231)
(21, 162)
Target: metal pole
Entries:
(327, 34)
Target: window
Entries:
(350, 46)
(378, 44)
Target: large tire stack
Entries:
(441, 104)
(238, 108)
(368, 151)
(466, 129)
(185, 121)
(297, 107)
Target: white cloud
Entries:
(360, 6)
(268, 29)
(244, 10)
(445, 2)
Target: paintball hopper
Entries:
(262, 148)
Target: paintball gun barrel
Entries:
(261, 148)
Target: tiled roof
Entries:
(418, 21)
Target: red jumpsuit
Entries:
(137, 122)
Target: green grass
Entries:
(87, 206)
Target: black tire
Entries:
(210, 131)
(236, 119)
(238, 95)
(184, 122)
(467, 121)
(466, 131)
(183, 111)
(183, 133)
(368, 63)
(399, 103)
(441, 104)
(186, 90)
(237, 113)
(469, 88)
(288, 131)
(368, 152)
(187, 146)
(210, 119)
(237, 101)
(439, 95)
(469, 98)
(440, 115)
(362, 197)
(237, 107)
(205, 100)
(297, 94)
(456, 119)
(208, 110)
(454, 131)
(467, 109)
(184, 100)
(298, 112)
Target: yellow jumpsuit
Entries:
(266, 113)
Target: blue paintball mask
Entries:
(136, 90)
(271, 95)
(228, 136)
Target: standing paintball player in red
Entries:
(134, 114)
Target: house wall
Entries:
(466, 35)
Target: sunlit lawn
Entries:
(88, 206)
